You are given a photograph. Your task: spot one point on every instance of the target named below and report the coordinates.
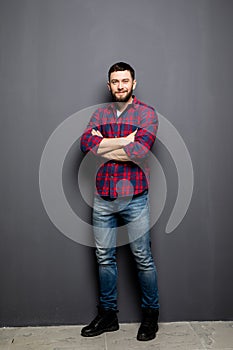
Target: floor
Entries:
(181, 335)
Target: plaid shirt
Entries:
(116, 178)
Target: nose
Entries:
(120, 85)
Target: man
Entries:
(121, 135)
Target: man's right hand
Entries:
(131, 137)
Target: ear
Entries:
(134, 84)
(108, 85)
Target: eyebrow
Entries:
(116, 80)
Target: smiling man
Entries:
(121, 134)
(121, 85)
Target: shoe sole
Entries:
(153, 336)
(109, 329)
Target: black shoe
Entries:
(105, 321)
(149, 325)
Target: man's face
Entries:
(121, 85)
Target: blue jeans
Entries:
(135, 214)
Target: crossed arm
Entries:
(133, 148)
(113, 148)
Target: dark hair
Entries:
(121, 66)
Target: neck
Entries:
(121, 106)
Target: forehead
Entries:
(120, 75)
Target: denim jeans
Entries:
(135, 214)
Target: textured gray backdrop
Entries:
(54, 58)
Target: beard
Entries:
(120, 98)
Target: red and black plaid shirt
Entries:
(116, 178)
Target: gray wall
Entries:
(54, 58)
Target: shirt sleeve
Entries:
(145, 136)
(89, 142)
